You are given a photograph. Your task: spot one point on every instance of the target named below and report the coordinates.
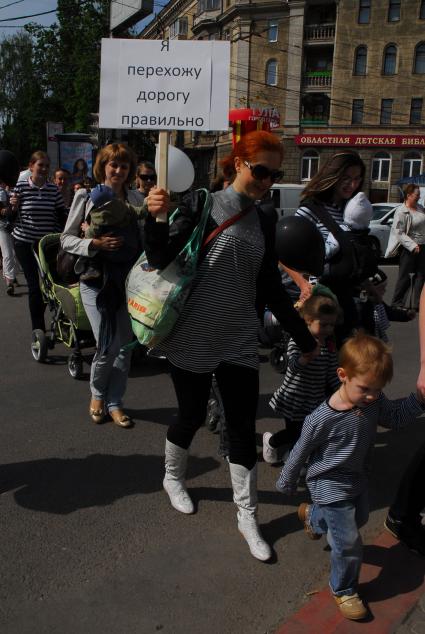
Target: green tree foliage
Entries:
(22, 121)
(55, 76)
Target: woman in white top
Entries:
(408, 236)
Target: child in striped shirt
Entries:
(308, 381)
(338, 438)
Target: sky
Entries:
(16, 8)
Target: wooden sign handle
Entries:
(163, 167)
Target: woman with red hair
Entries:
(217, 331)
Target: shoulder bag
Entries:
(156, 298)
(65, 261)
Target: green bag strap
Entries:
(194, 243)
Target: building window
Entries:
(178, 27)
(390, 60)
(309, 165)
(381, 167)
(416, 110)
(364, 12)
(360, 60)
(357, 112)
(419, 66)
(412, 164)
(208, 5)
(394, 10)
(386, 111)
(273, 31)
(271, 72)
(422, 10)
(226, 35)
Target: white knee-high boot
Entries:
(175, 471)
(244, 483)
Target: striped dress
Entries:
(219, 322)
(339, 445)
(41, 211)
(304, 387)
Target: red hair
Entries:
(249, 146)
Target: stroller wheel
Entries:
(75, 365)
(39, 346)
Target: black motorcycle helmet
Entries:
(300, 245)
(9, 168)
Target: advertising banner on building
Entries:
(244, 120)
(164, 85)
(365, 140)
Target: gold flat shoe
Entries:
(121, 419)
(97, 414)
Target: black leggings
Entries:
(26, 259)
(410, 498)
(288, 436)
(239, 387)
(410, 263)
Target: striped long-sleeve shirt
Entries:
(41, 211)
(338, 445)
(304, 387)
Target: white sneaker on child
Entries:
(269, 453)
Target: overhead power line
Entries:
(24, 17)
(10, 4)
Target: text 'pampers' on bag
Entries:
(155, 298)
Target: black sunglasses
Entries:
(261, 172)
(147, 177)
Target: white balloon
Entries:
(181, 172)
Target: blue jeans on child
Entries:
(340, 522)
(109, 371)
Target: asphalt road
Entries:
(89, 542)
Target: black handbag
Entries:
(65, 263)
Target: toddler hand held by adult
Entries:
(158, 201)
(420, 384)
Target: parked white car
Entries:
(380, 225)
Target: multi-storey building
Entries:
(342, 74)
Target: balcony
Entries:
(206, 14)
(319, 33)
(318, 79)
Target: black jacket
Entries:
(163, 242)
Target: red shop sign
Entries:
(357, 140)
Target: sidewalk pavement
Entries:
(391, 583)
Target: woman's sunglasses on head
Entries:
(261, 172)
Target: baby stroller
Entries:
(69, 323)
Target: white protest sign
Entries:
(164, 85)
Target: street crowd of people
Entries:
(317, 272)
